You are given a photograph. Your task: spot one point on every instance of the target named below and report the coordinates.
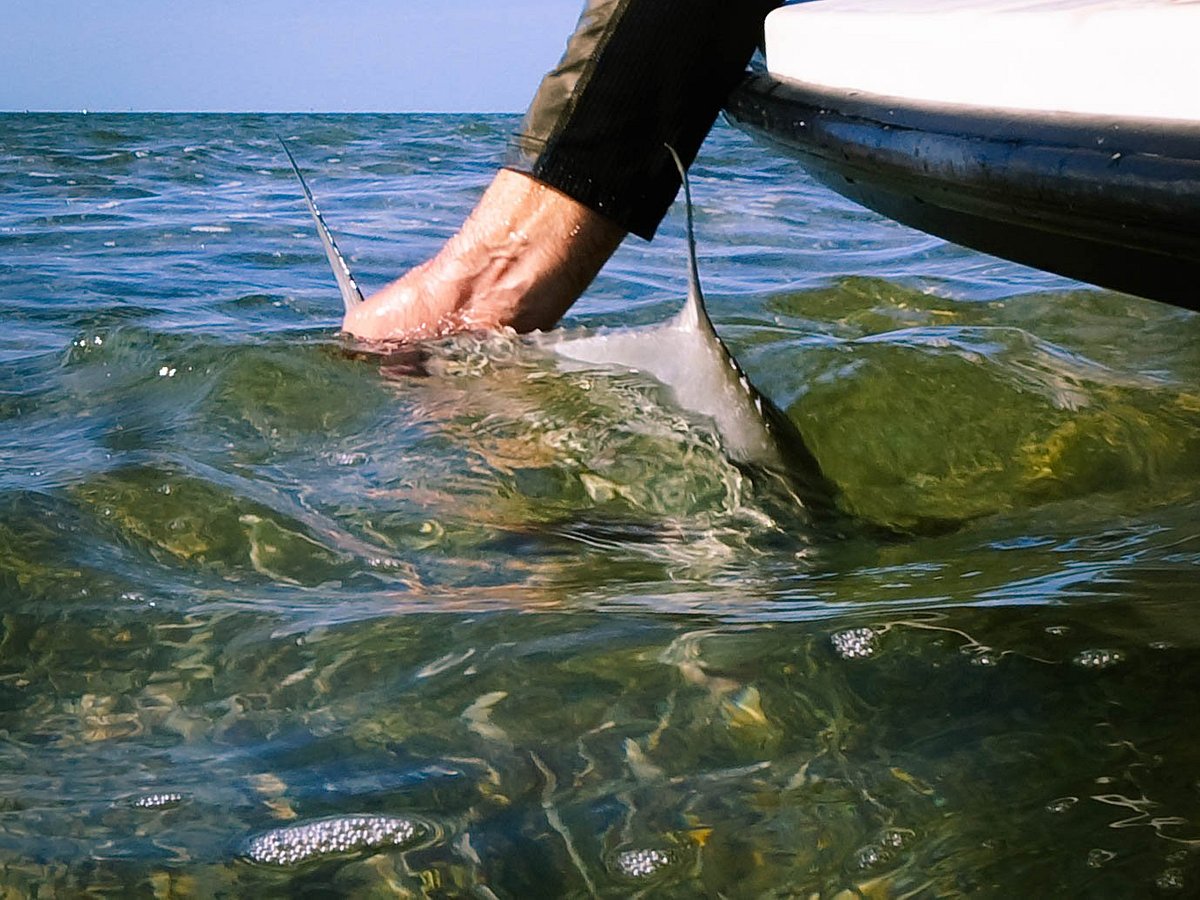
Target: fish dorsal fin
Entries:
(351, 295)
(693, 316)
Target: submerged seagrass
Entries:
(250, 582)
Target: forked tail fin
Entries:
(351, 295)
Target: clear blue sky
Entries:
(279, 55)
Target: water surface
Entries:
(510, 631)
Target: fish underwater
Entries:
(685, 354)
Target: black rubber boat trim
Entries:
(1106, 200)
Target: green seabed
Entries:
(500, 629)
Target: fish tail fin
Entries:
(693, 315)
(351, 295)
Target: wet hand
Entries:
(523, 256)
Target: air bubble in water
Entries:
(872, 856)
(167, 800)
(894, 838)
(883, 850)
(641, 863)
(296, 844)
(854, 643)
(1061, 805)
(1098, 658)
(1170, 880)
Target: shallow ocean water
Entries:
(278, 618)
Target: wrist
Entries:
(526, 253)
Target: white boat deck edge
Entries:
(1136, 59)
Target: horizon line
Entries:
(265, 112)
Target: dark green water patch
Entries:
(259, 584)
(183, 520)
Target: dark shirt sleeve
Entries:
(637, 74)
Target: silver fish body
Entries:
(685, 354)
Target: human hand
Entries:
(520, 260)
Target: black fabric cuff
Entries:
(637, 74)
